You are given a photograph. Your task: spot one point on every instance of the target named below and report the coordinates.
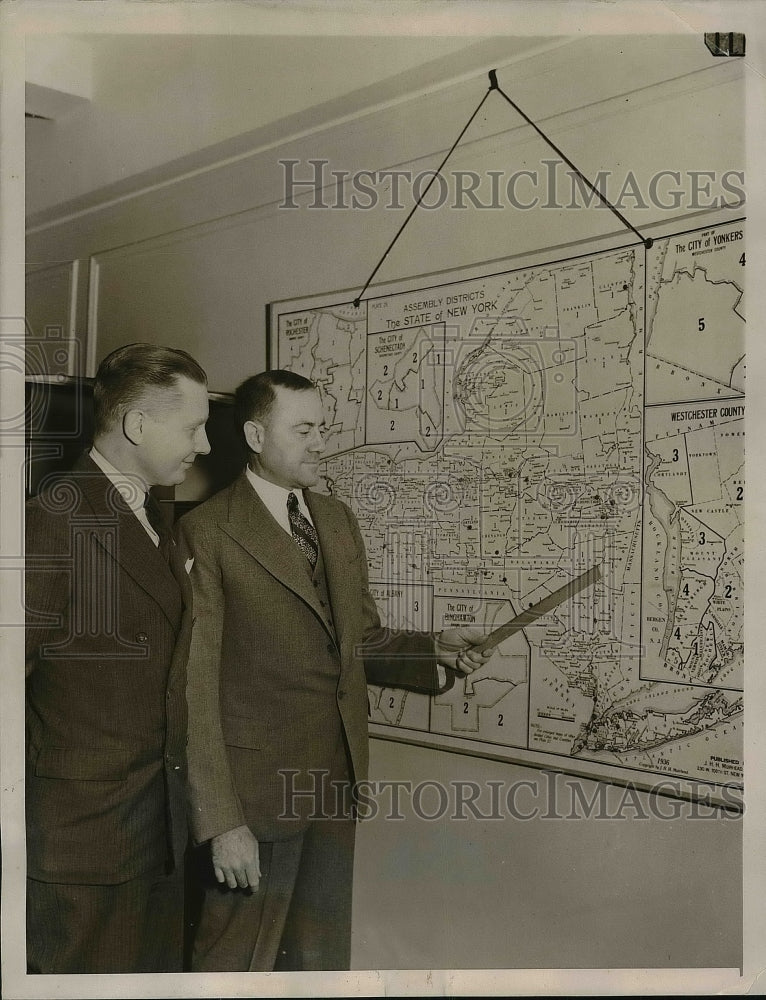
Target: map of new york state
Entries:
(497, 437)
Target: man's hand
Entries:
(455, 649)
(235, 858)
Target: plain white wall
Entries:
(641, 882)
(192, 92)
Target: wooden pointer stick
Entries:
(547, 604)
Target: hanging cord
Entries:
(493, 85)
(358, 299)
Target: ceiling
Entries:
(115, 107)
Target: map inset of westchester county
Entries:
(498, 436)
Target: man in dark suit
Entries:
(286, 638)
(108, 628)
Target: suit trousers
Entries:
(299, 918)
(135, 926)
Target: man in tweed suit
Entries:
(108, 628)
(286, 637)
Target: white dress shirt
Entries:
(275, 499)
(131, 488)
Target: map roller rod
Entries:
(547, 604)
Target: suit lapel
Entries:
(252, 526)
(133, 550)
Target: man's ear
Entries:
(253, 431)
(133, 426)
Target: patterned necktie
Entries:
(303, 532)
(157, 521)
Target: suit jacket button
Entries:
(142, 637)
(341, 694)
(330, 647)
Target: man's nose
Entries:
(318, 441)
(201, 444)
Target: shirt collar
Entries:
(131, 486)
(271, 494)
(275, 498)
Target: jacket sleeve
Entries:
(214, 805)
(394, 657)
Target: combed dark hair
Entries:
(124, 376)
(255, 397)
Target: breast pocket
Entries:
(250, 734)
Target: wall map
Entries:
(497, 436)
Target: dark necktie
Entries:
(302, 530)
(157, 521)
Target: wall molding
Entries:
(561, 55)
(298, 127)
